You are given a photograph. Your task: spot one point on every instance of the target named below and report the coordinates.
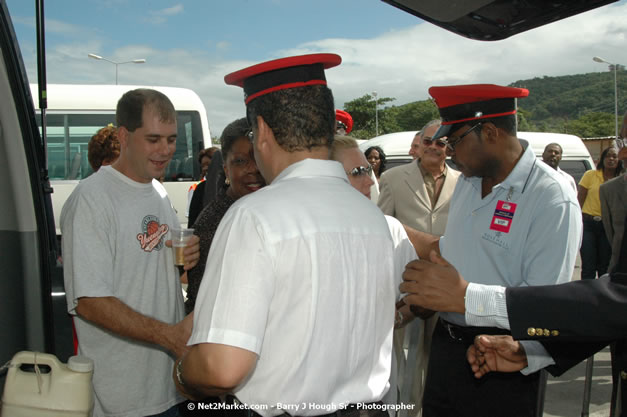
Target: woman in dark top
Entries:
(241, 176)
(376, 158)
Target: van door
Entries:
(26, 228)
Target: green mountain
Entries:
(581, 104)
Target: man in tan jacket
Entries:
(418, 194)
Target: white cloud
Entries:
(160, 16)
(401, 64)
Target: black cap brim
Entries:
(443, 130)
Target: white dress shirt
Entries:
(301, 273)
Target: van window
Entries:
(576, 168)
(69, 133)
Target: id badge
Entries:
(503, 216)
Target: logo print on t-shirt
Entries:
(153, 232)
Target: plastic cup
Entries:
(180, 237)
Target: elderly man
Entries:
(552, 156)
(414, 148)
(418, 194)
(513, 222)
(296, 309)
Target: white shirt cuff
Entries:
(486, 306)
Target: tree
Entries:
(362, 110)
(593, 124)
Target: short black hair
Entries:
(130, 109)
(236, 129)
(301, 118)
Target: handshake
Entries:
(435, 285)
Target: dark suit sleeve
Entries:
(576, 311)
(572, 320)
(568, 354)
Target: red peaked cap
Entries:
(280, 74)
(345, 118)
(464, 103)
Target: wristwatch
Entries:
(179, 372)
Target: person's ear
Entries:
(264, 137)
(490, 132)
(123, 134)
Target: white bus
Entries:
(76, 112)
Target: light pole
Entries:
(100, 58)
(376, 112)
(601, 60)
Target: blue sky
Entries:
(193, 44)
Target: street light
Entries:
(100, 58)
(601, 60)
(376, 112)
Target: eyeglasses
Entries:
(358, 171)
(438, 142)
(250, 135)
(452, 142)
(620, 143)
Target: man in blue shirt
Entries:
(512, 222)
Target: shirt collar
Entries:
(522, 170)
(518, 177)
(312, 168)
(424, 172)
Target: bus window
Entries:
(69, 134)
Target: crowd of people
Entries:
(302, 294)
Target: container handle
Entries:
(40, 380)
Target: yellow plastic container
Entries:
(57, 390)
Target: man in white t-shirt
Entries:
(552, 156)
(121, 283)
(295, 311)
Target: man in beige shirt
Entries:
(418, 194)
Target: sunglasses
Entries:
(438, 142)
(358, 171)
(453, 141)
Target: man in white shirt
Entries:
(121, 283)
(552, 156)
(296, 308)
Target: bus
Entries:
(76, 112)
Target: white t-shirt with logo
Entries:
(114, 231)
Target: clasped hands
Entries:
(435, 285)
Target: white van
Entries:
(76, 112)
(576, 158)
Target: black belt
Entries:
(467, 334)
(587, 216)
